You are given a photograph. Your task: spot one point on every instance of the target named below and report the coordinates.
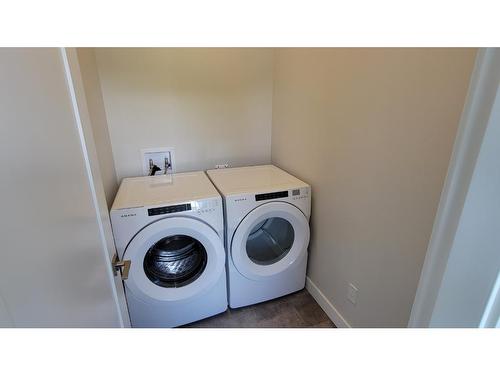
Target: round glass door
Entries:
(270, 240)
(175, 261)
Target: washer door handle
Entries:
(120, 265)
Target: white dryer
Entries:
(267, 232)
(171, 230)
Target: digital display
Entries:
(279, 194)
(169, 209)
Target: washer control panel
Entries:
(205, 206)
(169, 209)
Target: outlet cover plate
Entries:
(158, 155)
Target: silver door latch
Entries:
(123, 265)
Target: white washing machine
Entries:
(171, 230)
(267, 232)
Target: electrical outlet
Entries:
(221, 166)
(352, 294)
(162, 157)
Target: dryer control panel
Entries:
(294, 193)
(302, 193)
(266, 196)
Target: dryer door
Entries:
(269, 240)
(174, 259)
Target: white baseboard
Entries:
(326, 305)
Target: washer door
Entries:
(269, 240)
(174, 259)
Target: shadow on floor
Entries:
(297, 310)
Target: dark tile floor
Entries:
(297, 310)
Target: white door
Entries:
(174, 259)
(54, 268)
(269, 240)
(460, 279)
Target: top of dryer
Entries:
(257, 179)
(169, 189)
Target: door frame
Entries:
(84, 126)
(473, 123)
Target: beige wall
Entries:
(90, 77)
(212, 105)
(372, 131)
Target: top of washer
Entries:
(158, 190)
(258, 179)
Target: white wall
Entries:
(95, 105)
(212, 105)
(372, 131)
